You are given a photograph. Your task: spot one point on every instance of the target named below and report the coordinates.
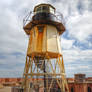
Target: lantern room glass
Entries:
(44, 8)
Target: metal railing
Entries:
(28, 18)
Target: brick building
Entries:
(10, 81)
(77, 84)
(80, 83)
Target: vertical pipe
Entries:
(44, 77)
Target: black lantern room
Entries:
(44, 14)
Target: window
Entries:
(45, 9)
(51, 10)
(89, 89)
(31, 84)
(42, 9)
(72, 89)
(38, 9)
(40, 28)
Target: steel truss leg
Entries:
(52, 73)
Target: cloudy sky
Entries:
(76, 42)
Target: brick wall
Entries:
(73, 86)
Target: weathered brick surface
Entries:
(73, 85)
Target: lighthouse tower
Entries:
(44, 68)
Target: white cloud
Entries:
(80, 26)
(78, 61)
(67, 44)
(13, 39)
(75, 55)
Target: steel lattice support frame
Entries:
(50, 70)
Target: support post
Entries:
(44, 77)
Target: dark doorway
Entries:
(72, 89)
(89, 89)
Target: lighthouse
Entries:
(44, 64)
